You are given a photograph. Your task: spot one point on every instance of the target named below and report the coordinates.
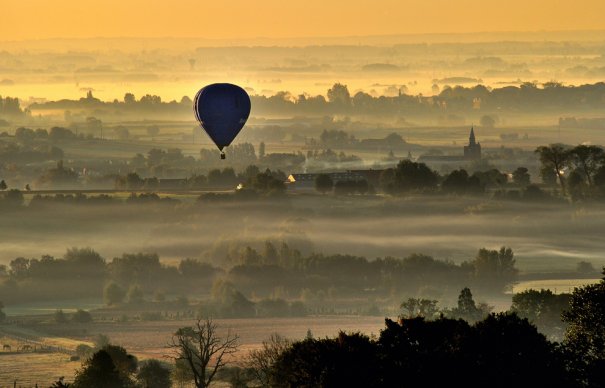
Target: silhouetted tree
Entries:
(554, 158)
(268, 183)
(339, 96)
(129, 98)
(100, 372)
(125, 363)
(466, 308)
(542, 308)
(507, 350)
(456, 182)
(521, 176)
(350, 360)
(587, 159)
(203, 350)
(494, 269)
(3, 185)
(261, 361)
(410, 175)
(418, 307)
(577, 186)
(154, 374)
(113, 294)
(585, 335)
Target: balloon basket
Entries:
(222, 155)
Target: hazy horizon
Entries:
(401, 187)
(272, 18)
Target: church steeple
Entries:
(473, 150)
(471, 138)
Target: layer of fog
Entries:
(380, 67)
(547, 237)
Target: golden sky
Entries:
(237, 19)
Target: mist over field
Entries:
(398, 200)
(545, 237)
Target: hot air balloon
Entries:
(222, 110)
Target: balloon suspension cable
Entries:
(222, 154)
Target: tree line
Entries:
(528, 97)
(499, 350)
(89, 275)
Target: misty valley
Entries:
(429, 211)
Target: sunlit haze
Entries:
(311, 193)
(240, 19)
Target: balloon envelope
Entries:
(222, 110)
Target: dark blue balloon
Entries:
(222, 110)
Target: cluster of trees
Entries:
(243, 153)
(198, 353)
(464, 347)
(543, 309)
(11, 152)
(158, 162)
(330, 160)
(10, 107)
(338, 138)
(86, 273)
(491, 271)
(580, 170)
(251, 178)
(173, 163)
(112, 366)
(528, 97)
(55, 134)
(409, 176)
(465, 309)
(147, 102)
(59, 177)
(80, 316)
(137, 278)
(499, 350)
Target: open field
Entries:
(149, 340)
(557, 286)
(28, 369)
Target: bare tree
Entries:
(261, 361)
(203, 350)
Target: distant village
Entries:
(306, 181)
